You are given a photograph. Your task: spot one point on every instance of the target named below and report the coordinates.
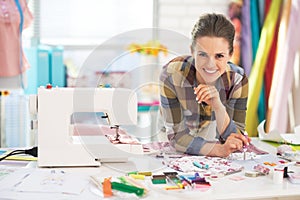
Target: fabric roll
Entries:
(296, 92)
(279, 52)
(262, 12)
(261, 110)
(270, 66)
(279, 115)
(256, 76)
(255, 29)
(264, 7)
(246, 44)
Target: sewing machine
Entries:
(58, 146)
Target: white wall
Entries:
(180, 15)
(176, 17)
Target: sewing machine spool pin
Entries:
(106, 117)
(117, 132)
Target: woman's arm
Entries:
(174, 121)
(230, 117)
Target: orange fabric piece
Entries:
(107, 191)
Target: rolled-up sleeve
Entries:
(174, 121)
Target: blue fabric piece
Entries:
(255, 26)
(261, 110)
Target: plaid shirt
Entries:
(181, 113)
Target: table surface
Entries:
(261, 187)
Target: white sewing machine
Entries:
(56, 143)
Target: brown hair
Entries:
(214, 25)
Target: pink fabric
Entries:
(99, 130)
(254, 149)
(10, 37)
(161, 146)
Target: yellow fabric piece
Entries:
(257, 72)
(21, 158)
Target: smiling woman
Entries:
(204, 94)
(211, 57)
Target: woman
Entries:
(205, 94)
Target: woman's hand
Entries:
(208, 94)
(233, 143)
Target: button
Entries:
(48, 86)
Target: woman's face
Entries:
(211, 55)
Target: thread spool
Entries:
(251, 174)
(278, 176)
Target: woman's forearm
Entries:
(222, 119)
(213, 149)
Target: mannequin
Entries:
(14, 17)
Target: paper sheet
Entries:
(10, 176)
(52, 181)
(275, 136)
(6, 171)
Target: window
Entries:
(89, 22)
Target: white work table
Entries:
(261, 187)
